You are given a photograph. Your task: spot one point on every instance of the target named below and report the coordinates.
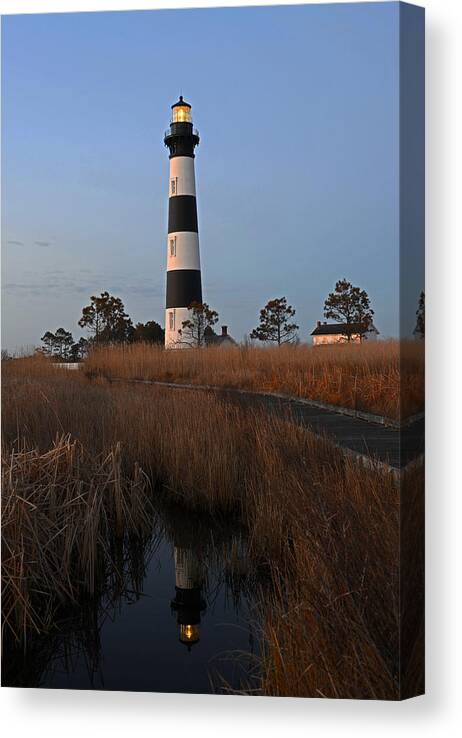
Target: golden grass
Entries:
(386, 377)
(345, 630)
(59, 508)
(327, 529)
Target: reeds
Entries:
(385, 377)
(59, 509)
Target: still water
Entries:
(178, 612)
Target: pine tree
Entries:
(106, 319)
(419, 330)
(193, 332)
(351, 306)
(275, 323)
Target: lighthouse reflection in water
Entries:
(188, 602)
(187, 598)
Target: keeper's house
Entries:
(328, 333)
(225, 340)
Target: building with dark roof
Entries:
(224, 340)
(331, 333)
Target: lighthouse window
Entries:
(173, 246)
(173, 186)
(172, 320)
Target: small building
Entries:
(225, 340)
(331, 333)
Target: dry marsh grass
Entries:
(327, 529)
(59, 509)
(386, 377)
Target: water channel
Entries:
(178, 612)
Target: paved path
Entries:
(395, 448)
(372, 441)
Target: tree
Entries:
(58, 344)
(106, 319)
(275, 323)
(193, 332)
(150, 332)
(419, 330)
(79, 349)
(351, 306)
(209, 335)
(49, 339)
(63, 343)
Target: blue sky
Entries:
(297, 170)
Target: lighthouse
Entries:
(183, 262)
(188, 602)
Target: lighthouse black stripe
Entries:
(182, 214)
(182, 147)
(183, 287)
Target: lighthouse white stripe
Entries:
(183, 250)
(187, 570)
(174, 318)
(182, 179)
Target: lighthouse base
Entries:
(174, 318)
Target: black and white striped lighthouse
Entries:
(188, 602)
(183, 262)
